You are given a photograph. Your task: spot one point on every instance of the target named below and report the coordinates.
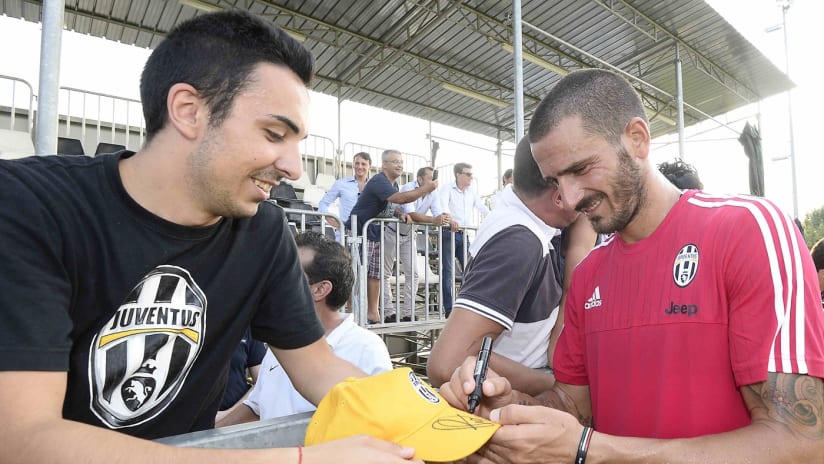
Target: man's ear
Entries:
(188, 113)
(321, 289)
(637, 136)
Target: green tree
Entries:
(814, 226)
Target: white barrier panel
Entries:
(273, 433)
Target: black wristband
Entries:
(583, 445)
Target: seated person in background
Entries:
(818, 258)
(506, 179)
(512, 246)
(245, 364)
(347, 189)
(328, 268)
(682, 175)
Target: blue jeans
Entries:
(447, 262)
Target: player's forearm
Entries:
(558, 398)
(239, 413)
(522, 378)
(422, 218)
(62, 441)
(787, 412)
(755, 444)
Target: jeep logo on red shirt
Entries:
(675, 309)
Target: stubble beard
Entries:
(628, 195)
(202, 180)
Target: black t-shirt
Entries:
(144, 314)
(372, 203)
(248, 353)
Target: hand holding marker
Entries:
(481, 365)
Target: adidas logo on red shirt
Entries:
(595, 300)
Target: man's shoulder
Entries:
(54, 179)
(344, 181)
(349, 335)
(515, 233)
(50, 166)
(594, 260)
(740, 215)
(269, 210)
(268, 224)
(514, 243)
(379, 180)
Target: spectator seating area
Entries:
(15, 144)
(18, 144)
(68, 146)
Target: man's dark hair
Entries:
(527, 180)
(603, 100)
(818, 254)
(215, 53)
(508, 173)
(800, 227)
(459, 167)
(682, 175)
(332, 263)
(422, 171)
(363, 155)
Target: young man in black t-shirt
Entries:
(123, 297)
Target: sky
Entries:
(715, 152)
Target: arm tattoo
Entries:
(557, 398)
(794, 401)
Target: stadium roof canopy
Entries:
(450, 61)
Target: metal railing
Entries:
(322, 151)
(302, 220)
(14, 90)
(430, 311)
(121, 118)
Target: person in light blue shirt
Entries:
(347, 189)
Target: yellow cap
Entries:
(398, 406)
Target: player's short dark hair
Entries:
(603, 100)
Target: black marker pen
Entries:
(481, 366)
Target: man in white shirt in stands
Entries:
(328, 269)
(458, 199)
(347, 189)
(497, 199)
(417, 210)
